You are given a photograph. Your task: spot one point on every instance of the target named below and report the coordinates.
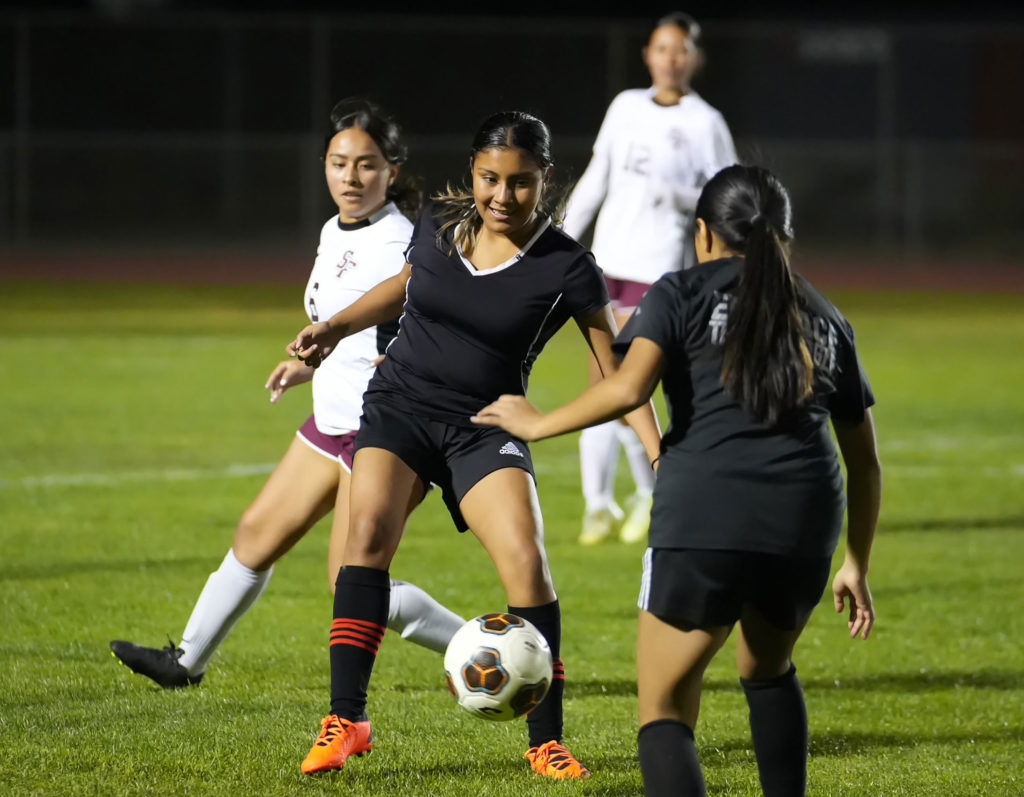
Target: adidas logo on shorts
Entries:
(510, 448)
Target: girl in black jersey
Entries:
(749, 499)
(488, 281)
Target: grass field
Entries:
(135, 430)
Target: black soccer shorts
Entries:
(453, 457)
(696, 588)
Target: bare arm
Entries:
(864, 497)
(626, 388)
(381, 303)
(600, 330)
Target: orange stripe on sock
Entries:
(365, 624)
(356, 643)
(374, 642)
(358, 633)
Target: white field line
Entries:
(952, 443)
(549, 468)
(543, 465)
(116, 479)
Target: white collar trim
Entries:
(543, 225)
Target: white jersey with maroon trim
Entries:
(649, 164)
(350, 260)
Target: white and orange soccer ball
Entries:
(498, 666)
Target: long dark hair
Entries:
(502, 130)
(369, 117)
(766, 365)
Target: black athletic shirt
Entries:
(468, 336)
(726, 481)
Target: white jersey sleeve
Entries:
(589, 191)
(349, 262)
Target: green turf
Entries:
(130, 413)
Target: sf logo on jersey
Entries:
(822, 341)
(719, 318)
(346, 263)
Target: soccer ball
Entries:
(498, 666)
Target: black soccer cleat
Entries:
(157, 664)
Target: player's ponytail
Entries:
(766, 365)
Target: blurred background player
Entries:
(750, 500)
(655, 149)
(361, 246)
(489, 281)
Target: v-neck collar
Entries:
(474, 271)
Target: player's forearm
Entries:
(644, 422)
(864, 500)
(863, 487)
(381, 303)
(608, 399)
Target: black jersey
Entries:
(726, 481)
(467, 336)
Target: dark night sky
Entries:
(863, 11)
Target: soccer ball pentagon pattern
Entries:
(498, 666)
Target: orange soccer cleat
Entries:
(552, 760)
(338, 739)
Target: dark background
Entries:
(898, 128)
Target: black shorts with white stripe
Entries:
(453, 457)
(696, 588)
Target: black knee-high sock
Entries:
(668, 760)
(545, 721)
(361, 597)
(778, 724)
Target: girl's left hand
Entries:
(514, 414)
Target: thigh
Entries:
(670, 665)
(504, 513)
(298, 493)
(383, 492)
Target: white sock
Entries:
(229, 592)
(599, 458)
(421, 619)
(636, 455)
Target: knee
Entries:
(371, 540)
(254, 545)
(528, 560)
(250, 526)
(526, 576)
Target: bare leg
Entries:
(670, 669)
(503, 511)
(298, 493)
(412, 613)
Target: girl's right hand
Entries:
(313, 343)
(286, 374)
(852, 583)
